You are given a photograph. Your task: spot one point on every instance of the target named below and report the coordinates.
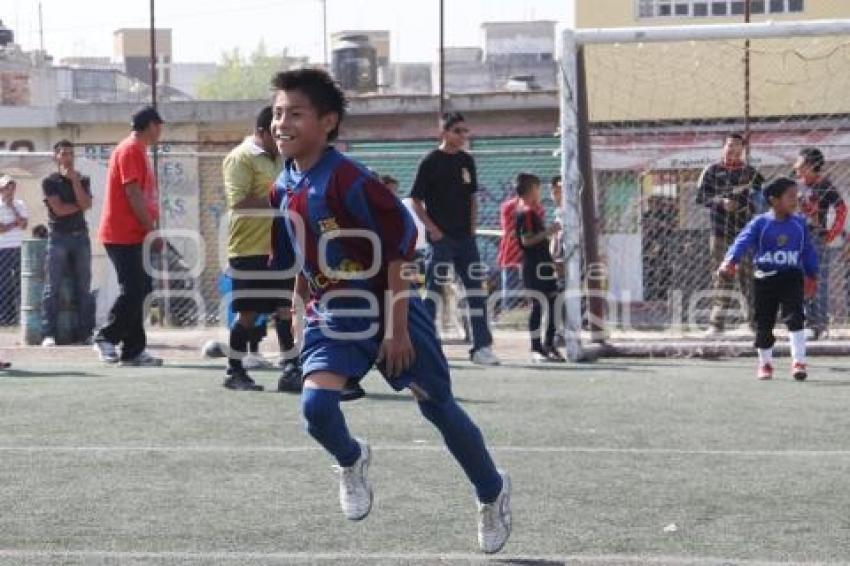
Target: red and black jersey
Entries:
(815, 202)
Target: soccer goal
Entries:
(643, 112)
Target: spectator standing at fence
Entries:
(509, 255)
(67, 195)
(445, 201)
(13, 222)
(817, 197)
(731, 190)
(249, 171)
(130, 212)
(538, 267)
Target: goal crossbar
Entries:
(707, 32)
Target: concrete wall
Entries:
(704, 80)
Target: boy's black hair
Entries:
(777, 187)
(524, 182)
(319, 87)
(264, 119)
(555, 180)
(389, 180)
(735, 136)
(449, 119)
(62, 144)
(813, 157)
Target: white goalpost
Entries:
(639, 113)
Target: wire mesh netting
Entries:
(659, 115)
(194, 214)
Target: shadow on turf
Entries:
(15, 372)
(407, 398)
(527, 562)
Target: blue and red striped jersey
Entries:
(352, 226)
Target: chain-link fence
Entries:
(659, 114)
(194, 215)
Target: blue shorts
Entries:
(354, 357)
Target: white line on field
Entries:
(439, 448)
(453, 557)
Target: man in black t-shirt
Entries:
(444, 199)
(67, 195)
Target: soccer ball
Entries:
(212, 349)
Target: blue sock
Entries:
(325, 422)
(466, 444)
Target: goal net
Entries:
(658, 112)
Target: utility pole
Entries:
(747, 17)
(41, 30)
(325, 33)
(442, 60)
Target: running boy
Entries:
(786, 267)
(326, 198)
(538, 268)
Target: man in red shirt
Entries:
(130, 213)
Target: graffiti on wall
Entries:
(17, 145)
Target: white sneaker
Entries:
(485, 357)
(106, 351)
(143, 360)
(355, 492)
(538, 358)
(494, 519)
(48, 342)
(255, 361)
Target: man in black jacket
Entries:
(730, 189)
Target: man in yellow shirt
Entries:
(249, 173)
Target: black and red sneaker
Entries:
(765, 372)
(798, 370)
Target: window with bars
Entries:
(717, 8)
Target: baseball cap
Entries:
(144, 117)
(5, 180)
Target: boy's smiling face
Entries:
(299, 131)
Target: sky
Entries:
(203, 29)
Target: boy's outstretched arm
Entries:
(745, 241)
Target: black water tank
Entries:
(7, 36)
(355, 64)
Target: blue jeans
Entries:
(10, 286)
(68, 253)
(462, 253)
(817, 308)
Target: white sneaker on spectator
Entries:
(485, 357)
(142, 360)
(355, 492)
(538, 357)
(494, 519)
(48, 342)
(255, 361)
(106, 351)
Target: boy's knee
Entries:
(317, 406)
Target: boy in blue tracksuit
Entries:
(353, 240)
(786, 267)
